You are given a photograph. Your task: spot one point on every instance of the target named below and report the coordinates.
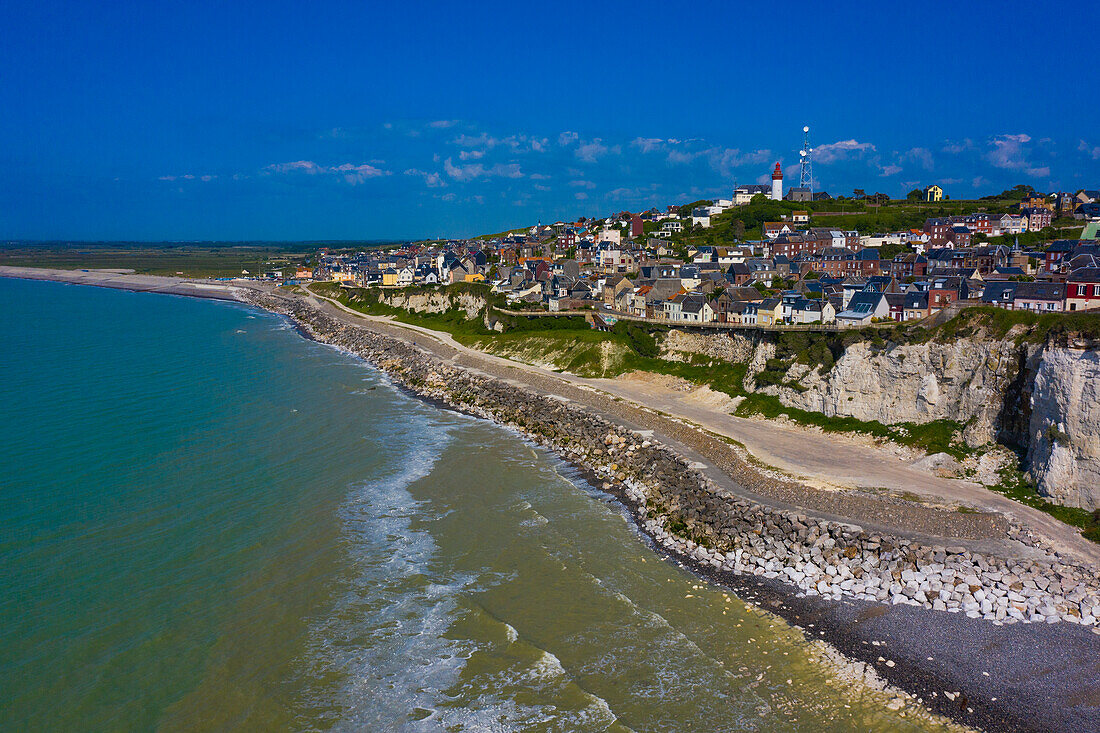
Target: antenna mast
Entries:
(805, 162)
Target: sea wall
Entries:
(689, 514)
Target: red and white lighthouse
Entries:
(777, 184)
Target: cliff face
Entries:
(435, 301)
(1064, 427)
(962, 381)
(1044, 400)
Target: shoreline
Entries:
(852, 627)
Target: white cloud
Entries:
(890, 170)
(431, 178)
(472, 171)
(1093, 152)
(471, 154)
(475, 141)
(517, 143)
(582, 184)
(1008, 151)
(979, 182)
(725, 160)
(443, 123)
(351, 173)
(1040, 172)
(568, 138)
(920, 155)
(840, 150)
(648, 144)
(539, 177)
(355, 174)
(679, 157)
(594, 149)
(580, 195)
(958, 147)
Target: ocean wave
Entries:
(385, 637)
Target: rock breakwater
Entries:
(691, 515)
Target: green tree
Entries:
(914, 195)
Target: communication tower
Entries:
(805, 161)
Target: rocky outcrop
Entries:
(434, 301)
(682, 345)
(1064, 448)
(963, 381)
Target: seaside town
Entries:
(771, 257)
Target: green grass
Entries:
(938, 436)
(996, 323)
(150, 259)
(1017, 486)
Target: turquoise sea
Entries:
(208, 522)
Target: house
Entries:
(811, 310)
(800, 217)
(637, 301)
(800, 194)
(769, 312)
(743, 194)
(1011, 224)
(916, 306)
(1087, 211)
(675, 226)
(1037, 218)
(938, 230)
(896, 301)
(614, 289)
(1083, 289)
(773, 229)
(1000, 294)
(1042, 297)
(695, 308)
(863, 308)
(1036, 201)
(959, 236)
(943, 291)
(933, 193)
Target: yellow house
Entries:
(389, 279)
(474, 277)
(769, 312)
(933, 193)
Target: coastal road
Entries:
(834, 460)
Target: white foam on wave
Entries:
(546, 667)
(385, 636)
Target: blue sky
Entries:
(358, 120)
